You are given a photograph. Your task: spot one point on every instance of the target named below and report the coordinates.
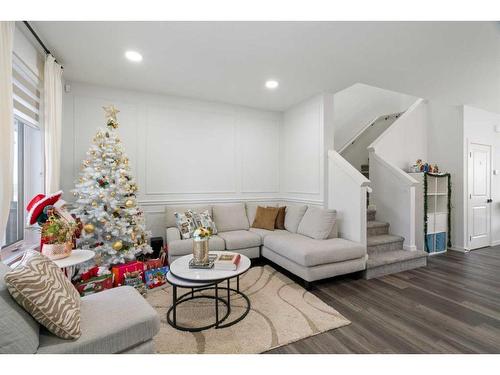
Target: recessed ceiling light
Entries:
(133, 56)
(272, 84)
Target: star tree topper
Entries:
(110, 114)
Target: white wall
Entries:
(357, 153)
(306, 136)
(445, 148)
(181, 150)
(479, 127)
(406, 140)
(358, 105)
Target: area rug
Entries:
(281, 312)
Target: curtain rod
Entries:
(47, 51)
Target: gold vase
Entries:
(200, 250)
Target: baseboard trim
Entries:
(410, 248)
(459, 249)
(495, 243)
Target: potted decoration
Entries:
(200, 245)
(57, 237)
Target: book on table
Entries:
(227, 262)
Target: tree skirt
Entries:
(281, 312)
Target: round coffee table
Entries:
(199, 280)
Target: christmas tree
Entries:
(113, 224)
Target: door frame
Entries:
(466, 208)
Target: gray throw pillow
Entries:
(317, 222)
(230, 216)
(293, 216)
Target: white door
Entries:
(479, 211)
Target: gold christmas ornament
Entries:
(94, 204)
(89, 228)
(101, 195)
(112, 193)
(107, 237)
(129, 203)
(117, 245)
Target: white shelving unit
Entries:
(437, 213)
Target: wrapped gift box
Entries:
(156, 277)
(152, 264)
(119, 271)
(94, 285)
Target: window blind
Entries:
(26, 92)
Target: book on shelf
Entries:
(227, 262)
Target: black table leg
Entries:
(216, 304)
(228, 293)
(174, 302)
(238, 283)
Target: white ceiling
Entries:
(456, 62)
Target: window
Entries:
(27, 178)
(28, 153)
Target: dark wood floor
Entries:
(451, 306)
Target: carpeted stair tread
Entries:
(370, 215)
(390, 257)
(383, 239)
(376, 224)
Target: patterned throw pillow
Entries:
(204, 219)
(43, 290)
(185, 223)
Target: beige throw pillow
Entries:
(317, 222)
(265, 218)
(43, 290)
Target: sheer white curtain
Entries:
(52, 93)
(6, 123)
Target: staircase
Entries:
(385, 251)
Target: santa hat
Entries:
(38, 203)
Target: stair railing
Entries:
(347, 189)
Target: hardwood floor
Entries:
(450, 306)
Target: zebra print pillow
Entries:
(40, 287)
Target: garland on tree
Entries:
(426, 206)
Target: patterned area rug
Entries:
(281, 312)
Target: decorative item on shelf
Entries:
(201, 236)
(420, 166)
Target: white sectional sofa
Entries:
(309, 258)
